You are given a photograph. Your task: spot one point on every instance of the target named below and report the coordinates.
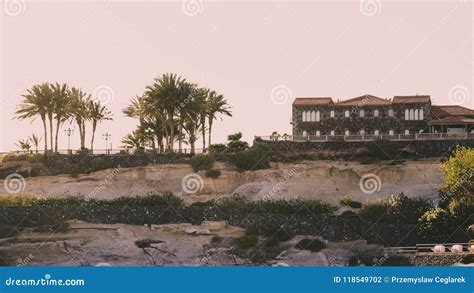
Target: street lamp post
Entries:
(69, 132)
(106, 136)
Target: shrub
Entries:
(275, 237)
(201, 162)
(246, 241)
(458, 175)
(436, 225)
(313, 245)
(250, 160)
(7, 231)
(216, 239)
(74, 169)
(347, 201)
(461, 210)
(146, 243)
(218, 148)
(400, 210)
(239, 204)
(164, 199)
(19, 199)
(97, 164)
(213, 173)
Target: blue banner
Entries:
(237, 279)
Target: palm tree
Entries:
(61, 106)
(285, 136)
(24, 145)
(164, 96)
(133, 140)
(186, 91)
(80, 112)
(193, 122)
(35, 140)
(36, 102)
(97, 114)
(217, 105)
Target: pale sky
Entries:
(243, 50)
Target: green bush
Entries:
(201, 162)
(97, 164)
(275, 237)
(164, 199)
(399, 210)
(347, 201)
(239, 204)
(7, 231)
(74, 169)
(246, 241)
(313, 245)
(213, 173)
(218, 148)
(250, 160)
(461, 210)
(436, 225)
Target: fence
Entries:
(372, 137)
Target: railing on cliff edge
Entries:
(370, 137)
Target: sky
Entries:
(259, 54)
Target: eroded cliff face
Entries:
(324, 180)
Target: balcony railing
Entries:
(372, 137)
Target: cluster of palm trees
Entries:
(174, 110)
(57, 104)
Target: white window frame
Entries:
(376, 113)
(390, 113)
(362, 113)
(332, 114)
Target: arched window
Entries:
(308, 116)
(332, 114)
(376, 113)
(304, 133)
(407, 132)
(421, 115)
(407, 114)
(362, 113)
(390, 113)
(332, 133)
(411, 114)
(313, 116)
(347, 133)
(416, 114)
(303, 116)
(390, 132)
(347, 114)
(362, 132)
(318, 133)
(376, 132)
(318, 116)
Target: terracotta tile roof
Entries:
(313, 101)
(453, 120)
(445, 111)
(410, 99)
(366, 100)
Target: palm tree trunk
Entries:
(51, 132)
(180, 138)
(45, 135)
(57, 131)
(94, 126)
(203, 129)
(171, 142)
(192, 139)
(83, 146)
(209, 132)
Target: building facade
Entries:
(370, 115)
